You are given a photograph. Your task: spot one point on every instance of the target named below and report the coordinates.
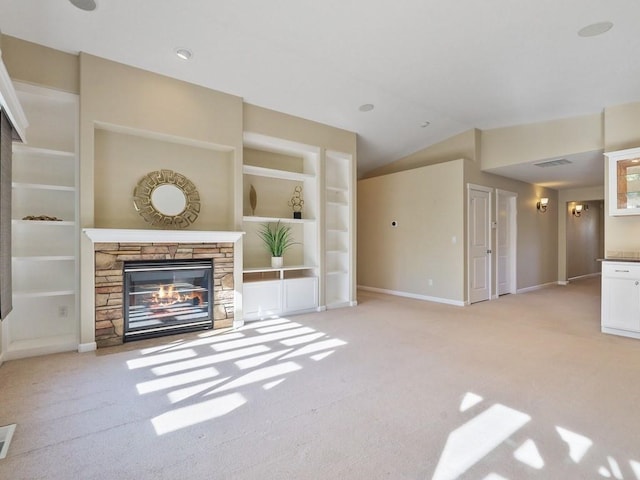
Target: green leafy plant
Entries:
(277, 238)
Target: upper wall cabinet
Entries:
(624, 182)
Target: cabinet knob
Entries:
(637, 282)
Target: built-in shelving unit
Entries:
(44, 252)
(338, 252)
(275, 167)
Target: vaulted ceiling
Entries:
(430, 68)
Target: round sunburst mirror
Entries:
(167, 199)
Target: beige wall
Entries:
(584, 240)
(32, 63)
(540, 141)
(573, 195)
(280, 125)
(121, 160)
(463, 145)
(427, 203)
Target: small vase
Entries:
(276, 262)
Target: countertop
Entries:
(620, 259)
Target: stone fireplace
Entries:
(113, 248)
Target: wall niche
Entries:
(123, 158)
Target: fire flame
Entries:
(170, 296)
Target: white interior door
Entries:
(506, 241)
(479, 211)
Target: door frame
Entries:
(513, 239)
(489, 190)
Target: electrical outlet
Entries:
(63, 311)
(430, 282)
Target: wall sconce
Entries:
(578, 209)
(542, 204)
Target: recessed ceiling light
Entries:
(88, 5)
(425, 124)
(595, 29)
(367, 107)
(184, 53)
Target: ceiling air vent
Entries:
(553, 163)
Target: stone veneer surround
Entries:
(110, 256)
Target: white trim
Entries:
(563, 282)
(10, 103)
(117, 235)
(415, 296)
(87, 347)
(588, 275)
(1, 357)
(623, 333)
(536, 287)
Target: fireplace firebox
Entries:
(167, 296)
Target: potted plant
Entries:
(277, 238)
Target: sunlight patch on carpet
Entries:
(578, 444)
(200, 412)
(471, 442)
(469, 400)
(528, 454)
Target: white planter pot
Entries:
(276, 262)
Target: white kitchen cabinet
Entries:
(621, 298)
(624, 182)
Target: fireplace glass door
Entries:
(166, 297)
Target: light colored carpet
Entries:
(521, 387)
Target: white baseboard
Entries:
(563, 282)
(87, 347)
(536, 287)
(415, 296)
(588, 275)
(1, 358)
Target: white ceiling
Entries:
(457, 64)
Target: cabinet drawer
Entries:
(621, 270)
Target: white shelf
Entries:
(45, 258)
(339, 230)
(336, 189)
(21, 148)
(281, 269)
(42, 186)
(256, 219)
(337, 272)
(43, 223)
(274, 173)
(43, 293)
(338, 204)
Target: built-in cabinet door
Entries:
(621, 303)
(261, 299)
(300, 294)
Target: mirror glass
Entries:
(168, 199)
